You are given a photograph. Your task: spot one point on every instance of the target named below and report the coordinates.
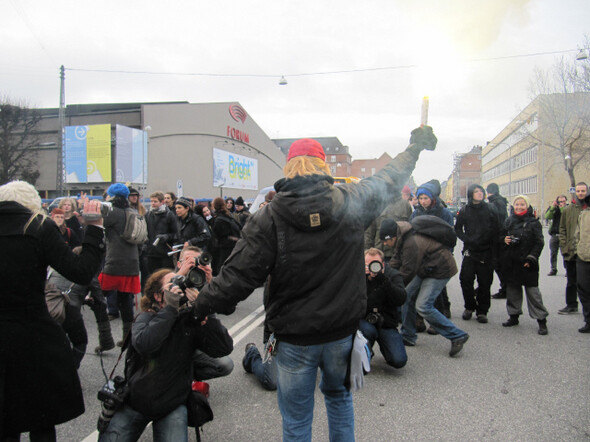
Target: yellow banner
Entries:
(98, 151)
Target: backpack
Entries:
(135, 230)
(435, 228)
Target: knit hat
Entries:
(306, 147)
(525, 198)
(57, 211)
(239, 201)
(133, 191)
(406, 189)
(424, 191)
(388, 229)
(493, 189)
(23, 193)
(185, 202)
(118, 189)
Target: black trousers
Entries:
(571, 287)
(583, 271)
(477, 300)
(74, 327)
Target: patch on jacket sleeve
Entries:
(314, 220)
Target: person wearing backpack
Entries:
(121, 269)
(477, 225)
(426, 265)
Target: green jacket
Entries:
(582, 235)
(567, 229)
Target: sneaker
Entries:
(499, 295)
(467, 314)
(246, 366)
(431, 331)
(420, 326)
(585, 329)
(567, 310)
(482, 319)
(552, 273)
(457, 345)
(408, 343)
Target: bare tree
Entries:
(18, 141)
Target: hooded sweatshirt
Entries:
(478, 224)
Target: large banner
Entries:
(234, 171)
(131, 156)
(87, 154)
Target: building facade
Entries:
(185, 142)
(466, 171)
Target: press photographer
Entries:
(385, 293)
(158, 366)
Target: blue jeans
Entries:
(266, 373)
(390, 342)
(297, 369)
(421, 296)
(128, 424)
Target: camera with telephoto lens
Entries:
(111, 395)
(514, 240)
(375, 318)
(195, 277)
(375, 266)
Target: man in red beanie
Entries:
(309, 240)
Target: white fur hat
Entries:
(22, 193)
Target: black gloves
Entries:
(423, 138)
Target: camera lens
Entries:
(196, 278)
(205, 258)
(375, 266)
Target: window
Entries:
(332, 158)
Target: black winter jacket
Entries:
(501, 204)
(477, 225)
(194, 230)
(386, 293)
(161, 224)
(529, 232)
(310, 240)
(159, 362)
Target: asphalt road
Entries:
(508, 384)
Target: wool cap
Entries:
(57, 211)
(185, 202)
(306, 147)
(133, 191)
(388, 229)
(493, 189)
(239, 201)
(525, 198)
(118, 189)
(406, 189)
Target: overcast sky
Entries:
(429, 47)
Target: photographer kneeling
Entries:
(158, 366)
(385, 293)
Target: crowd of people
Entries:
(395, 258)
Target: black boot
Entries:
(512, 321)
(105, 337)
(542, 326)
(126, 330)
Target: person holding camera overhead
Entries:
(159, 362)
(385, 293)
(523, 236)
(39, 385)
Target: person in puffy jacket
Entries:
(310, 241)
(523, 236)
(192, 228)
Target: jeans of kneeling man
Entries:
(421, 294)
(297, 373)
(390, 343)
(128, 424)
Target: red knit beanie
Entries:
(307, 147)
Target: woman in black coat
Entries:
(226, 231)
(39, 385)
(523, 236)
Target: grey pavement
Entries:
(508, 384)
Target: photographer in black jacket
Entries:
(159, 362)
(385, 294)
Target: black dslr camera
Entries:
(375, 318)
(514, 240)
(196, 277)
(111, 395)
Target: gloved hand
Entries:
(172, 299)
(423, 138)
(359, 361)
